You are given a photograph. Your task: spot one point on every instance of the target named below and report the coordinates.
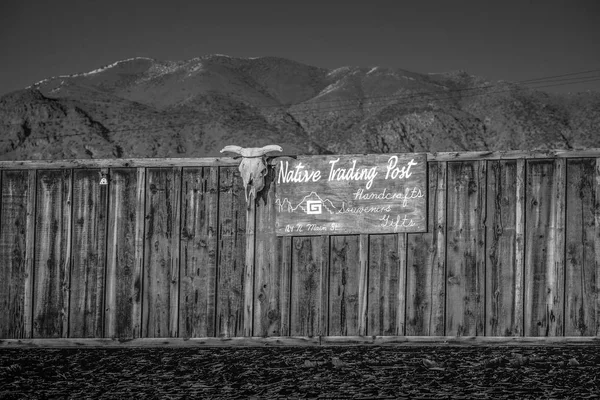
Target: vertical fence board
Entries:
(401, 306)
(198, 251)
(52, 258)
(248, 280)
(308, 269)
(580, 299)
(14, 271)
(544, 254)
(231, 251)
(426, 263)
(387, 265)
(465, 268)
(503, 282)
(284, 246)
(268, 283)
(363, 283)
(161, 258)
(520, 225)
(343, 286)
(30, 251)
(86, 315)
(597, 245)
(123, 270)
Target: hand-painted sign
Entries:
(345, 194)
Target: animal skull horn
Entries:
(253, 167)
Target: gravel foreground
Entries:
(298, 372)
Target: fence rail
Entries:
(512, 249)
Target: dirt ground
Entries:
(492, 372)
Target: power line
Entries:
(560, 76)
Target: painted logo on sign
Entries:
(314, 207)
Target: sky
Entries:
(498, 40)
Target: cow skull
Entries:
(253, 167)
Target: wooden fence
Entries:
(512, 249)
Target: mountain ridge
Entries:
(142, 107)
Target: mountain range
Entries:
(142, 107)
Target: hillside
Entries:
(148, 108)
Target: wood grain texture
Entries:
(284, 252)
(228, 161)
(14, 271)
(544, 275)
(363, 283)
(426, 263)
(90, 206)
(483, 342)
(268, 283)
(199, 228)
(124, 259)
(387, 284)
(597, 242)
(466, 249)
(520, 225)
(30, 250)
(160, 299)
(511, 155)
(52, 254)
(121, 163)
(344, 303)
(309, 270)
(231, 253)
(248, 286)
(581, 275)
(504, 303)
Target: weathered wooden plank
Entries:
(544, 275)
(14, 270)
(124, 258)
(402, 264)
(52, 254)
(30, 251)
(90, 206)
(248, 286)
(228, 161)
(426, 263)
(511, 155)
(483, 342)
(466, 252)
(309, 270)
(121, 163)
(387, 280)
(284, 251)
(503, 282)
(520, 225)
(597, 242)
(580, 284)
(231, 254)
(363, 283)
(267, 286)
(343, 286)
(161, 258)
(199, 228)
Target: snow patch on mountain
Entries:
(101, 69)
(329, 89)
(338, 71)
